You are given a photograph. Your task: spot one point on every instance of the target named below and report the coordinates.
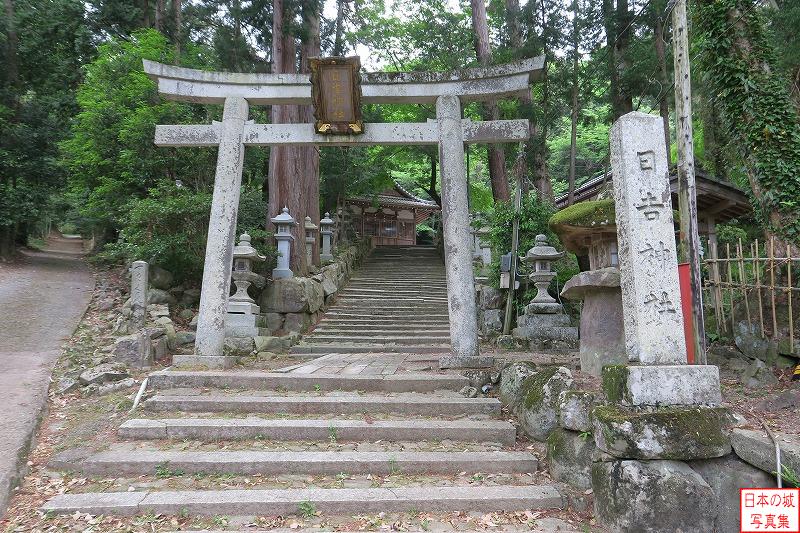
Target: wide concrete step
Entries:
(378, 330)
(377, 340)
(417, 405)
(235, 379)
(280, 462)
(327, 501)
(373, 300)
(383, 324)
(382, 307)
(325, 348)
(392, 293)
(407, 316)
(338, 430)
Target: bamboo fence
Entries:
(761, 275)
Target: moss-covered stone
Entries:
(575, 409)
(678, 433)
(569, 457)
(652, 496)
(614, 380)
(512, 378)
(539, 410)
(592, 213)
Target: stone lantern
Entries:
(589, 229)
(284, 224)
(326, 231)
(311, 238)
(240, 320)
(544, 325)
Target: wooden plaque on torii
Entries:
(336, 93)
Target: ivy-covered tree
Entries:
(739, 63)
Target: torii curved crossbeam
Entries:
(471, 84)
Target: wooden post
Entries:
(687, 202)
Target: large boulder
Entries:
(575, 409)
(652, 497)
(158, 296)
(160, 278)
(726, 475)
(491, 322)
(539, 409)
(677, 433)
(757, 448)
(134, 350)
(490, 298)
(511, 379)
(569, 457)
(298, 322)
(292, 295)
(758, 376)
(329, 277)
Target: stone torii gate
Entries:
(448, 90)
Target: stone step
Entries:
(412, 316)
(325, 348)
(339, 430)
(280, 462)
(397, 299)
(384, 323)
(382, 306)
(236, 379)
(391, 294)
(377, 330)
(378, 340)
(327, 501)
(422, 405)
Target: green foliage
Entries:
(307, 509)
(589, 213)
(168, 228)
(533, 218)
(738, 59)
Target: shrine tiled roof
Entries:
(396, 196)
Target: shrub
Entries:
(168, 228)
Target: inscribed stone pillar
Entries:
(651, 298)
(139, 285)
(457, 245)
(221, 238)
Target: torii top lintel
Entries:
(499, 81)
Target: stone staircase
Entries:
(250, 443)
(397, 302)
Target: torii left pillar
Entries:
(210, 338)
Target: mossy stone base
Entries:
(511, 379)
(662, 385)
(569, 457)
(652, 496)
(575, 408)
(539, 410)
(677, 433)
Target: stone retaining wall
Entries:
(293, 305)
(671, 468)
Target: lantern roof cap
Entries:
(542, 250)
(244, 250)
(309, 225)
(284, 217)
(327, 220)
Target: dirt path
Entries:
(42, 298)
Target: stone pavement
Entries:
(42, 299)
(366, 364)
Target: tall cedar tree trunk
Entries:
(538, 167)
(159, 19)
(176, 15)
(573, 144)
(616, 23)
(540, 171)
(8, 233)
(712, 138)
(491, 111)
(309, 155)
(338, 41)
(146, 20)
(286, 180)
(661, 58)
